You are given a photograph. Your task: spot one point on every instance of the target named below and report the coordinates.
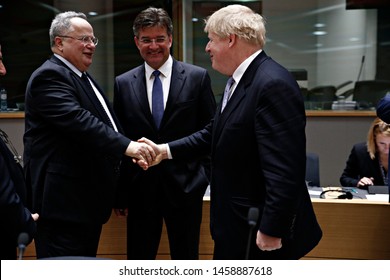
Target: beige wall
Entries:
(332, 139)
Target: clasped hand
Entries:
(146, 153)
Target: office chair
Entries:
(313, 169)
(368, 93)
(325, 95)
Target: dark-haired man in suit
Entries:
(173, 191)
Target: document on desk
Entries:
(311, 192)
(378, 197)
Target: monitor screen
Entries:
(367, 4)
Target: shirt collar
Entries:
(239, 72)
(165, 69)
(70, 65)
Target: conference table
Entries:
(355, 228)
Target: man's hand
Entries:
(121, 212)
(268, 243)
(159, 149)
(143, 153)
(35, 216)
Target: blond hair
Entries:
(239, 20)
(377, 127)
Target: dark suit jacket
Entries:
(71, 154)
(383, 109)
(15, 217)
(258, 160)
(359, 165)
(190, 106)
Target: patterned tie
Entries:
(227, 92)
(157, 99)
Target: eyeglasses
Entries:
(85, 39)
(148, 41)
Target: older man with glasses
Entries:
(73, 145)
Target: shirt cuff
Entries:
(168, 151)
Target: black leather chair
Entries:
(322, 97)
(368, 93)
(313, 169)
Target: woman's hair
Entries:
(151, 17)
(61, 24)
(239, 20)
(377, 127)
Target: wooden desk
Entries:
(340, 113)
(309, 113)
(12, 115)
(353, 229)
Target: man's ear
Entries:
(58, 43)
(232, 39)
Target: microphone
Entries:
(253, 215)
(361, 67)
(23, 239)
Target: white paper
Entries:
(378, 197)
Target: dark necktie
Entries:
(85, 79)
(227, 92)
(157, 99)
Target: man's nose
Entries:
(3, 71)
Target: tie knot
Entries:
(230, 81)
(156, 73)
(229, 84)
(84, 76)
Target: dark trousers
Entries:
(8, 249)
(58, 239)
(183, 227)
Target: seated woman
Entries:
(368, 162)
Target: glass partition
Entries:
(331, 49)
(339, 54)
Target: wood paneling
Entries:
(353, 229)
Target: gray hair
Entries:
(151, 17)
(61, 24)
(239, 20)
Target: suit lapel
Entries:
(177, 82)
(94, 99)
(238, 95)
(90, 94)
(138, 88)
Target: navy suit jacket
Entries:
(258, 156)
(15, 217)
(71, 153)
(359, 165)
(383, 109)
(190, 106)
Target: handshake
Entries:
(146, 153)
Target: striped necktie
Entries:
(227, 93)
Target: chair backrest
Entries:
(368, 93)
(313, 169)
(322, 97)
